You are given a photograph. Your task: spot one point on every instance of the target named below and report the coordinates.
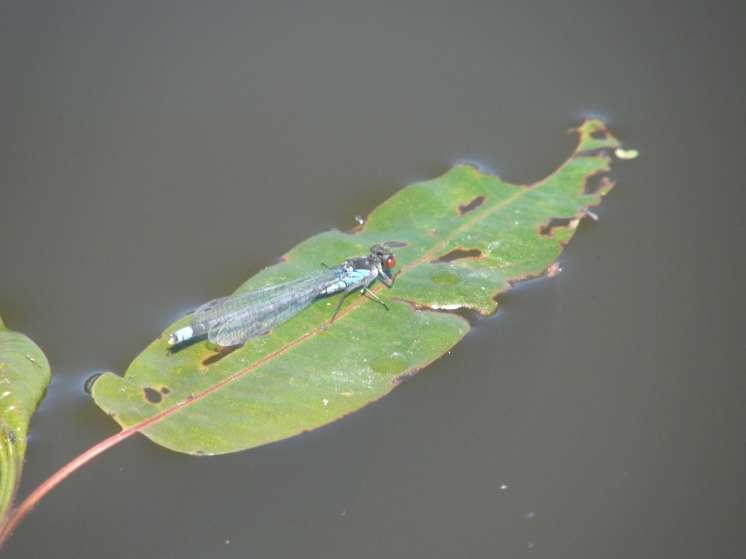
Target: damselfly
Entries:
(233, 320)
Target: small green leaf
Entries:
(462, 239)
(24, 376)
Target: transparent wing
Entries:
(215, 312)
(235, 319)
(243, 326)
(204, 310)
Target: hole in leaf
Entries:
(598, 134)
(595, 182)
(152, 395)
(548, 227)
(165, 390)
(458, 253)
(467, 313)
(471, 206)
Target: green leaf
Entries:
(463, 239)
(24, 376)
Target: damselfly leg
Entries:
(373, 297)
(363, 286)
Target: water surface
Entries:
(156, 156)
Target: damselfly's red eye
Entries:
(390, 261)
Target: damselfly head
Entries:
(384, 256)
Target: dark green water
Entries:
(154, 157)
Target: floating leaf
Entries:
(24, 376)
(461, 239)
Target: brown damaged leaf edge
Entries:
(585, 145)
(548, 228)
(597, 182)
